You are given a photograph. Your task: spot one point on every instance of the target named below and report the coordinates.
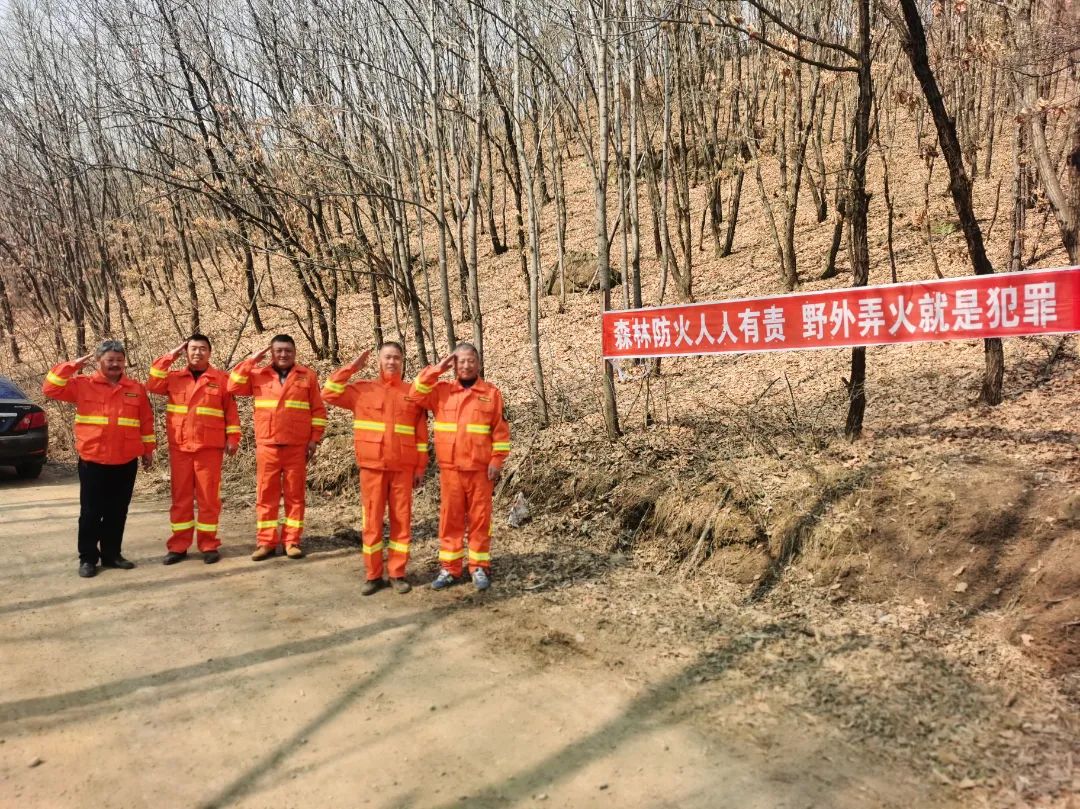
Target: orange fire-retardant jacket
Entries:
(470, 431)
(288, 414)
(200, 413)
(114, 424)
(389, 428)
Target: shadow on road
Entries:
(248, 780)
(17, 710)
(205, 572)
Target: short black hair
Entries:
(200, 338)
(283, 338)
(392, 344)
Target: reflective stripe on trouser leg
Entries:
(478, 491)
(451, 521)
(374, 487)
(208, 497)
(267, 494)
(400, 502)
(294, 480)
(182, 511)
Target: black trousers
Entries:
(104, 496)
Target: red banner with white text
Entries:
(977, 306)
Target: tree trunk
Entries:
(860, 202)
(474, 184)
(913, 40)
(600, 179)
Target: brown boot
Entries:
(401, 587)
(294, 552)
(263, 552)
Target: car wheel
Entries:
(28, 471)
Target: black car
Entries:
(24, 431)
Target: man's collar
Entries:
(97, 376)
(478, 384)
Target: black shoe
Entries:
(210, 557)
(372, 586)
(119, 562)
(172, 557)
(87, 570)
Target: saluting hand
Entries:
(82, 362)
(260, 355)
(361, 362)
(448, 362)
(176, 352)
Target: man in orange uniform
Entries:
(472, 441)
(289, 423)
(390, 435)
(114, 427)
(202, 425)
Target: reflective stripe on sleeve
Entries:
(234, 430)
(334, 387)
(404, 429)
(239, 380)
(157, 373)
(149, 439)
(59, 381)
(421, 447)
(500, 446)
(210, 411)
(317, 422)
(478, 429)
(81, 418)
(421, 387)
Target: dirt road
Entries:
(276, 685)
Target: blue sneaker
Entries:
(480, 579)
(443, 580)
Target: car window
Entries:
(9, 390)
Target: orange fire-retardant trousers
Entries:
(465, 503)
(379, 489)
(196, 478)
(279, 470)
